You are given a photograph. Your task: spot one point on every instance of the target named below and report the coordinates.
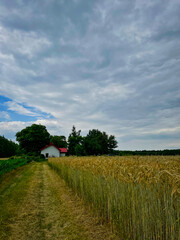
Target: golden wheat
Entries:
(139, 196)
(149, 170)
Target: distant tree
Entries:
(80, 148)
(33, 138)
(95, 143)
(7, 147)
(112, 143)
(98, 143)
(59, 141)
(74, 140)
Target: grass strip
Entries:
(8, 165)
(13, 163)
(13, 190)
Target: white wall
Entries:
(52, 151)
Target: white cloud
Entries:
(9, 129)
(6, 58)
(4, 115)
(13, 106)
(115, 91)
(26, 43)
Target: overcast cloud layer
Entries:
(109, 65)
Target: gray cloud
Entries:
(112, 65)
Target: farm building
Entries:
(52, 151)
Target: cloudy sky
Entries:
(109, 65)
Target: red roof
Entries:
(62, 150)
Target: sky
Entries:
(107, 65)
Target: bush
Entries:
(42, 156)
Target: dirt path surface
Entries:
(36, 204)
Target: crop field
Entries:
(138, 196)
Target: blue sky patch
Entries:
(10, 110)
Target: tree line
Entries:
(94, 143)
(165, 152)
(32, 139)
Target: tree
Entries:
(7, 147)
(80, 149)
(112, 143)
(33, 138)
(97, 142)
(74, 140)
(59, 141)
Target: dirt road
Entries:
(36, 204)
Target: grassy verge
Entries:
(10, 164)
(144, 209)
(13, 189)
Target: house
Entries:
(52, 151)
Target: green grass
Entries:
(138, 211)
(13, 189)
(8, 165)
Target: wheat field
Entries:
(139, 196)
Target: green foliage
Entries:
(8, 165)
(74, 140)
(80, 150)
(7, 147)
(166, 152)
(32, 157)
(15, 162)
(95, 143)
(33, 138)
(99, 143)
(59, 141)
(12, 195)
(112, 143)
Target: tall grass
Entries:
(8, 165)
(139, 196)
(15, 162)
